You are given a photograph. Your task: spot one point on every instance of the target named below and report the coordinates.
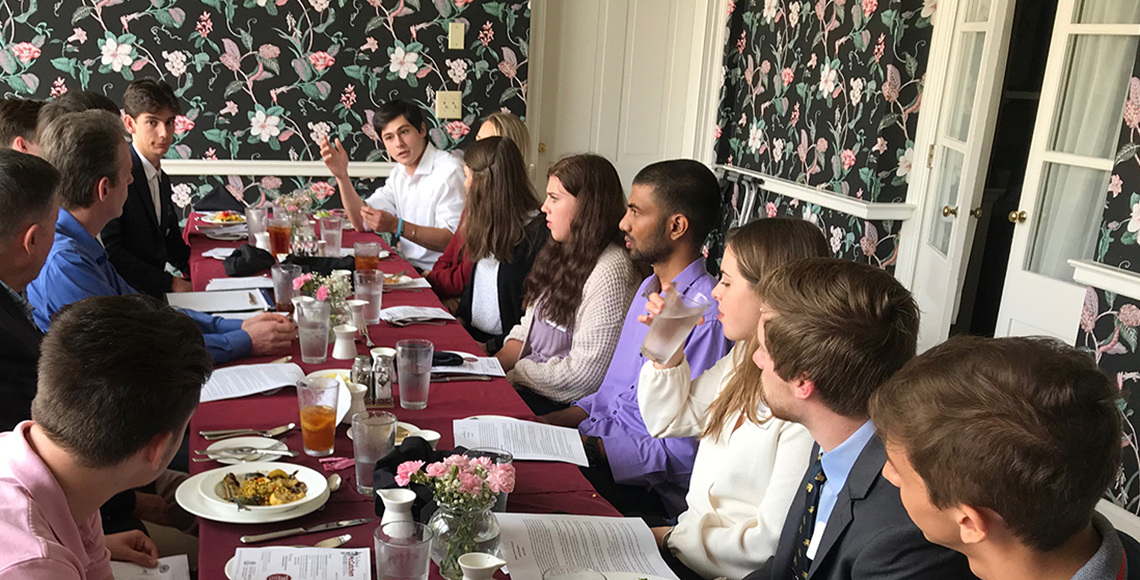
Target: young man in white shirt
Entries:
(421, 201)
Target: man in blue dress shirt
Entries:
(92, 191)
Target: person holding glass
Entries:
(748, 463)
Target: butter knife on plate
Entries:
(298, 531)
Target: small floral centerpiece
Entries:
(298, 202)
(332, 289)
(465, 489)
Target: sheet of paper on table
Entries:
(303, 563)
(169, 568)
(533, 543)
(485, 365)
(242, 380)
(239, 283)
(524, 439)
(406, 312)
(220, 301)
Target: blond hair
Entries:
(511, 127)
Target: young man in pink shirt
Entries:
(119, 377)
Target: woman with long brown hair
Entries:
(749, 464)
(503, 233)
(578, 291)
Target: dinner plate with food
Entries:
(269, 491)
(224, 218)
(396, 280)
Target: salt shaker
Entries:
(362, 373)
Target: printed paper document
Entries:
(524, 439)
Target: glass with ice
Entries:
(373, 436)
(669, 329)
(413, 366)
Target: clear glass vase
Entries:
(460, 529)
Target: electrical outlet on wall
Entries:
(449, 105)
(455, 34)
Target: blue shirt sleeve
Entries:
(225, 340)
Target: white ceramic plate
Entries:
(224, 237)
(316, 483)
(258, 442)
(411, 431)
(398, 281)
(212, 219)
(344, 396)
(190, 498)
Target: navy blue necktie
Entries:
(800, 562)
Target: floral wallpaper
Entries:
(1117, 245)
(268, 79)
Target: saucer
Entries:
(259, 442)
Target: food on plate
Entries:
(227, 216)
(393, 279)
(263, 489)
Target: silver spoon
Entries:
(334, 482)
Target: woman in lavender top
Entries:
(577, 292)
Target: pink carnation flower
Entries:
(437, 469)
(469, 483)
(456, 460)
(405, 470)
(501, 479)
(323, 293)
(299, 281)
(321, 60)
(484, 462)
(26, 52)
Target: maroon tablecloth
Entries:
(542, 487)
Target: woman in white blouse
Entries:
(749, 464)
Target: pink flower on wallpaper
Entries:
(741, 43)
(348, 97)
(880, 47)
(892, 85)
(487, 34)
(848, 157)
(794, 14)
(78, 36)
(230, 108)
(270, 182)
(787, 76)
(457, 129)
(268, 51)
(182, 125)
(821, 145)
(869, 7)
(1088, 311)
(717, 132)
(58, 87)
(322, 189)
(210, 154)
(820, 9)
(321, 60)
(462, 3)
(205, 25)
(731, 7)
(1132, 106)
(1115, 184)
(870, 242)
(795, 114)
(828, 77)
(765, 67)
(368, 128)
(1129, 315)
(813, 61)
(770, 209)
(26, 52)
(509, 65)
(370, 44)
(880, 146)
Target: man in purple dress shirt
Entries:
(673, 205)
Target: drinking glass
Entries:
(413, 366)
(403, 551)
(313, 330)
(255, 219)
(670, 328)
(317, 399)
(373, 436)
(499, 457)
(367, 255)
(280, 229)
(283, 275)
(331, 234)
(369, 285)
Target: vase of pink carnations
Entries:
(333, 289)
(465, 489)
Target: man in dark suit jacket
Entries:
(146, 237)
(832, 331)
(28, 210)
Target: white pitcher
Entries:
(397, 504)
(479, 566)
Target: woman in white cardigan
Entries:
(749, 464)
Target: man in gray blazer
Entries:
(831, 332)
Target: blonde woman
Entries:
(748, 465)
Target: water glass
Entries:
(313, 330)
(403, 551)
(256, 221)
(317, 399)
(413, 366)
(498, 457)
(283, 275)
(367, 255)
(373, 436)
(669, 329)
(369, 285)
(331, 235)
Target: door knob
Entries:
(948, 211)
(976, 213)
(1018, 217)
(542, 147)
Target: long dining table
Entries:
(541, 487)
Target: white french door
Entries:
(959, 157)
(1091, 56)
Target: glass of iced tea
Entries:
(317, 399)
(367, 255)
(280, 229)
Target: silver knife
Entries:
(444, 378)
(298, 531)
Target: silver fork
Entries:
(367, 338)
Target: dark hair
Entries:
(500, 201)
(18, 118)
(395, 109)
(1026, 427)
(149, 96)
(846, 326)
(73, 102)
(27, 190)
(114, 372)
(560, 270)
(686, 187)
(79, 146)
